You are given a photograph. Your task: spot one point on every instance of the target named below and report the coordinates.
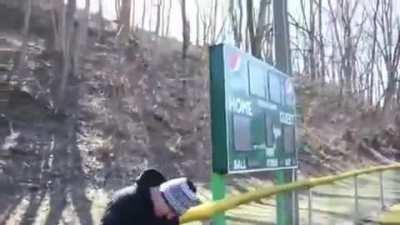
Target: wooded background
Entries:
(353, 44)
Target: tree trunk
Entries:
(281, 36)
(269, 39)
(125, 20)
(158, 21)
(55, 42)
(101, 21)
(185, 30)
(333, 58)
(240, 4)
(321, 44)
(85, 26)
(247, 41)
(390, 51)
(151, 15)
(347, 45)
(250, 26)
(80, 39)
(71, 8)
(117, 5)
(234, 23)
(163, 20)
(143, 14)
(204, 23)
(214, 24)
(133, 14)
(57, 21)
(392, 70)
(311, 34)
(169, 17)
(76, 47)
(370, 73)
(390, 90)
(25, 38)
(197, 23)
(27, 20)
(260, 29)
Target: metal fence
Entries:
(357, 196)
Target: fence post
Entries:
(309, 206)
(355, 199)
(381, 190)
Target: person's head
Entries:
(174, 197)
(150, 178)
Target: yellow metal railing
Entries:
(209, 209)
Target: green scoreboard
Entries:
(252, 113)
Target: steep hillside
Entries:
(130, 108)
(338, 137)
(139, 106)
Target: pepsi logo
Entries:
(234, 62)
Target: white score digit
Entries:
(239, 164)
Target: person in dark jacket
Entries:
(153, 200)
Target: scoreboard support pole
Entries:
(287, 206)
(286, 203)
(218, 192)
(282, 215)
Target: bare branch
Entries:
(335, 27)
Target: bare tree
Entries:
(309, 30)
(347, 45)
(151, 15)
(163, 19)
(352, 61)
(125, 20)
(143, 14)
(261, 27)
(334, 73)
(197, 23)
(25, 37)
(390, 51)
(66, 70)
(250, 25)
(370, 81)
(168, 18)
(269, 38)
(79, 39)
(236, 22)
(241, 17)
(311, 34)
(185, 30)
(133, 14)
(101, 20)
(214, 22)
(58, 23)
(247, 40)
(117, 5)
(158, 21)
(258, 34)
(85, 23)
(321, 44)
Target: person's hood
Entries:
(150, 178)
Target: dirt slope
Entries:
(139, 106)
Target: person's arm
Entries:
(121, 209)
